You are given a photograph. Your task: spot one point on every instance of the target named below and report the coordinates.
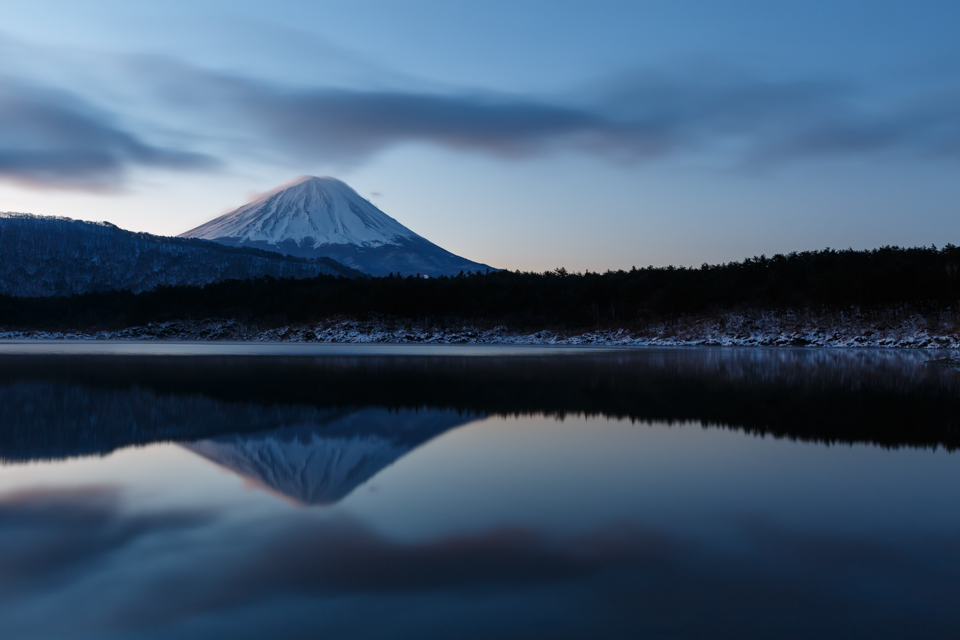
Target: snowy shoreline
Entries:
(741, 330)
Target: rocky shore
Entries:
(766, 330)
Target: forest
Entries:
(888, 279)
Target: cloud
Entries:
(635, 119)
(641, 117)
(353, 124)
(51, 137)
(926, 125)
(68, 137)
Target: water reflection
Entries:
(323, 462)
(63, 406)
(491, 518)
(97, 566)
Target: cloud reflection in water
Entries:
(615, 581)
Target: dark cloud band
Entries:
(52, 137)
(56, 138)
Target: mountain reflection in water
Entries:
(323, 463)
(516, 497)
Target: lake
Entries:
(176, 490)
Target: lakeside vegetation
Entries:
(889, 280)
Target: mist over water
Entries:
(474, 493)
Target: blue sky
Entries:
(525, 135)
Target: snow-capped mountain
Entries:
(47, 256)
(323, 217)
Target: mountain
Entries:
(323, 464)
(313, 217)
(47, 256)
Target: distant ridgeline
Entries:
(889, 280)
(44, 256)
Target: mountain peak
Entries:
(322, 182)
(315, 216)
(309, 211)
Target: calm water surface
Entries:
(255, 491)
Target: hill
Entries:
(46, 256)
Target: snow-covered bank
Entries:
(784, 329)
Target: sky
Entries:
(526, 135)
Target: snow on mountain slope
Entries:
(314, 211)
(323, 217)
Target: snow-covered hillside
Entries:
(314, 217)
(44, 256)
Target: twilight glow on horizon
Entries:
(525, 135)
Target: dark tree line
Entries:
(924, 280)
